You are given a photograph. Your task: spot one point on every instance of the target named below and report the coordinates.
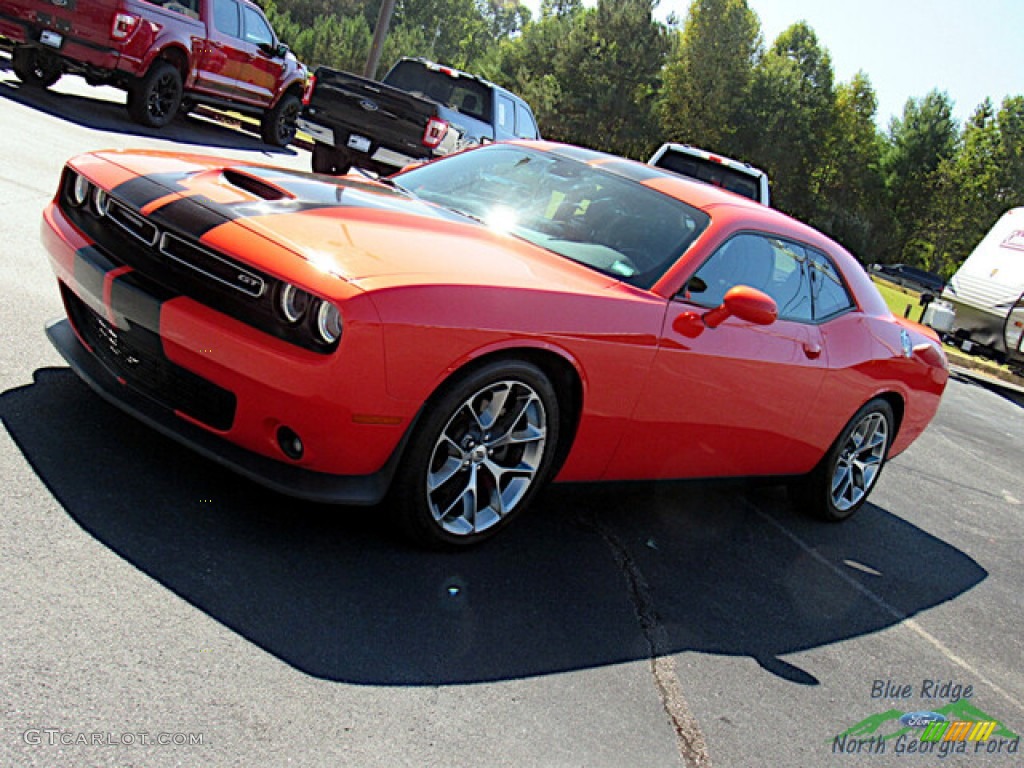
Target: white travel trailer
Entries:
(987, 292)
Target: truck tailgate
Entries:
(64, 19)
(348, 104)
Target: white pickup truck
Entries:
(741, 178)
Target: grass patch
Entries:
(898, 297)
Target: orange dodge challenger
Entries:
(462, 332)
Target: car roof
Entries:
(705, 197)
(730, 213)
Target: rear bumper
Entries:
(283, 478)
(365, 151)
(80, 55)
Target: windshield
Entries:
(591, 216)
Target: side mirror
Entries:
(746, 303)
(278, 51)
(740, 301)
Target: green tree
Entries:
(854, 209)
(708, 74)
(608, 74)
(531, 64)
(917, 144)
(591, 75)
(790, 118)
(974, 186)
(451, 32)
(1011, 135)
(318, 36)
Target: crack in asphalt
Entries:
(689, 737)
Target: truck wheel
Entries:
(36, 68)
(278, 124)
(327, 159)
(154, 100)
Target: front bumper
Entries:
(223, 387)
(283, 478)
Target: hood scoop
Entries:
(256, 186)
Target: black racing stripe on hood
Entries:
(195, 215)
(143, 190)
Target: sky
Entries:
(970, 50)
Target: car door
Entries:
(260, 70)
(219, 65)
(730, 400)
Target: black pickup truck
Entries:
(421, 110)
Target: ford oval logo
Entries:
(921, 719)
(368, 105)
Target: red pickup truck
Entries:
(167, 54)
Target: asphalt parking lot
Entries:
(159, 611)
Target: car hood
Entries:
(350, 228)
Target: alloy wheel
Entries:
(860, 460)
(486, 457)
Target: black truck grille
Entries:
(136, 356)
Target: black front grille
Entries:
(135, 355)
(165, 246)
(131, 222)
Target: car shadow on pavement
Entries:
(105, 115)
(594, 575)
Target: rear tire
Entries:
(480, 453)
(331, 161)
(844, 478)
(154, 100)
(35, 68)
(278, 124)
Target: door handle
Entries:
(812, 350)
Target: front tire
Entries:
(154, 100)
(482, 451)
(844, 478)
(36, 68)
(278, 124)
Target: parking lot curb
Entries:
(1013, 391)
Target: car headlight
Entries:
(328, 323)
(292, 303)
(99, 201)
(78, 194)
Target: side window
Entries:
(790, 284)
(256, 28)
(189, 8)
(526, 128)
(776, 267)
(225, 17)
(505, 119)
(827, 289)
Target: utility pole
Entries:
(379, 33)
